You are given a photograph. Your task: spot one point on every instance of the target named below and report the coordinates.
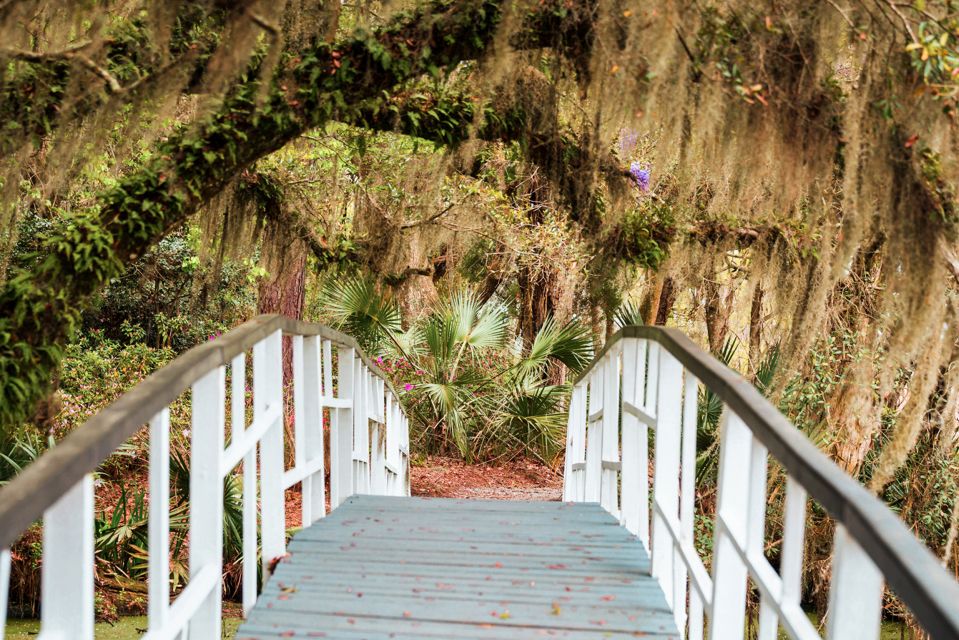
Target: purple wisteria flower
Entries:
(640, 175)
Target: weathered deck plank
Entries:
(436, 568)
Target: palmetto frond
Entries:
(362, 310)
(570, 344)
(628, 315)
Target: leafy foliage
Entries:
(464, 387)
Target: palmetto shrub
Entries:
(465, 383)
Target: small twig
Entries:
(263, 23)
(431, 219)
(72, 52)
(842, 13)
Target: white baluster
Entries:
(729, 571)
(206, 497)
(594, 438)
(237, 430)
(299, 424)
(158, 570)
(268, 393)
(666, 471)
(66, 598)
(341, 434)
(575, 444)
(687, 492)
(610, 477)
(635, 474)
(855, 594)
(4, 588)
(314, 486)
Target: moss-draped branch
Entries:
(41, 302)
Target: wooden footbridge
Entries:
(618, 558)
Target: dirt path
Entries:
(514, 480)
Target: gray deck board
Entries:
(409, 568)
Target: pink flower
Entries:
(420, 372)
(407, 387)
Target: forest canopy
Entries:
(778, 179)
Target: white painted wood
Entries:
(695, 621)
(242, 444)
(66, 594)
(187, 604)
(855, 595)
(727, 619)
(341, 432)
(4, 588)
(579, 446)
(594, 438)
(314, 485)
(267, 394)
(666, 471)
(360, 453)
(687, 492)
(246, 441)
(299, 404)
(158, 569)
(651, 393)
(206, 496)
(573, 435)
(794, 524)
(610, 476)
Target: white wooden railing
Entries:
(649, 378)
(369, 453)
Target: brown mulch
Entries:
(519, 479)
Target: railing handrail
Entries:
(43, 482)
(909, 567)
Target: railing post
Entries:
(855, 593)
(790, 565)
(729, 570)
(360, 454)
(66, 578)
(267, 394)
(378, 452)
(206, 497)
(635, 474)
(158, 571)
(666, 471)
(300, 423)
(687, 499)
(594, 438)
(341, 435)
(4, 588)
(575, 444)
(314, 486)
(237, 429)
(611, 460)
